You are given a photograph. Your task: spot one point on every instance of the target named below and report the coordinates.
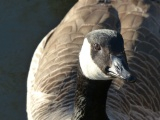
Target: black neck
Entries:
(90, 99)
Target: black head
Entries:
(102, 56)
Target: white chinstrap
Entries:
(88, 66)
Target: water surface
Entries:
(23, 23)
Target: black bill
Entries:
(119, 68)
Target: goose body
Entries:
(53, 73)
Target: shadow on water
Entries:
(22, 26)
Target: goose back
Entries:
(52, 77)
(140, 25)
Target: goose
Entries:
(57, 70)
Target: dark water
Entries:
(23, 23)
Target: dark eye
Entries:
(96, 47)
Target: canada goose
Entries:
(52, 77)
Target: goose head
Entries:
(102, 56)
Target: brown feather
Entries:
(51, 85)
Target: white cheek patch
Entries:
(89, 68)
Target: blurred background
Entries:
(23, 24)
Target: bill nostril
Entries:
(118, 68)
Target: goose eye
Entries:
(96, 47)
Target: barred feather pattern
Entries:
(52, 76)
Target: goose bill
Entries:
(119, 68)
